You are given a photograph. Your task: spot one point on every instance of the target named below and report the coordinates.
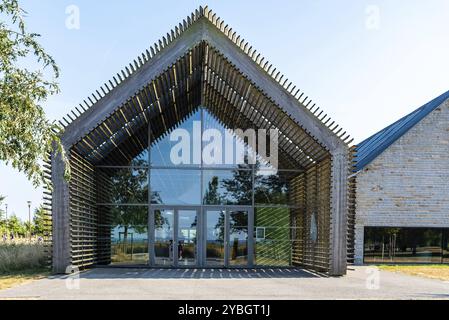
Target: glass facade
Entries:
(188, 237)
(164, 237)
(167, 151)
(238, 238)
(181, 202)
(446, 246)
(215, 237)
(223, 187)
(406, 245)
(125, 185)
(272, 236)
(175, 187)
(129, 234)
(272, 188)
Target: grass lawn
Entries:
(19, 277)
(440, 272)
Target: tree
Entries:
(211, 195)
(130, 186)
(239, 189)
(271, 188)
(16, 226)
(39, 222)
(26, 136)
(27, 228)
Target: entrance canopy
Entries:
(200, 64)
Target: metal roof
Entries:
(372, 147)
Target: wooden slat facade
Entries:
(202, 77)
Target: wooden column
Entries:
(61, 216)
(339, 212)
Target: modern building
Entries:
(402, 190)
(147, 188)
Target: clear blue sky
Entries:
(365, 72)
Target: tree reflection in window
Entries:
(212, 195)
(238, 224)
(272, 188)
(130, 217)
(129, 185)
(236, 187)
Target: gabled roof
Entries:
(200, 54)
(372, 147)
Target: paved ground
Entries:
(360, 283)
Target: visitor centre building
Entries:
(200, 154)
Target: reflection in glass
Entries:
(187, 237)
(215, 232)
(446, 246)
(161, 150)
(129, 229)
(176, 187)
(141, 160)
(403, 245)
(234, 150)
(238, 238)
(272, 231)
(272, 188)
(213, 144)
(222, 187)
(163, 237)
(125, 185)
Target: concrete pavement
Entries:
(124, 284)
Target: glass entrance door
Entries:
(164, 232)
(238, 238)
(194, 237)
(187, 237)
(215, 238)
(175, 237)
(228, 238)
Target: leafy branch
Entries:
(27, 137)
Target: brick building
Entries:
(402, 189)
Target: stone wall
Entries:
(408, 184)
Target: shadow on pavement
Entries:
(156, 274)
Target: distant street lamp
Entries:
(29, 217)
(7, 224)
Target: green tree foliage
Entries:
(130, 186)
(239, 188)
(211, 195)
(26, 136)
(27, 227)
(21, 228)
(16, 227)
(39, 222)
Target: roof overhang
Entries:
(202, 61)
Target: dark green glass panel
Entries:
(272, 237)
(403, 245)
